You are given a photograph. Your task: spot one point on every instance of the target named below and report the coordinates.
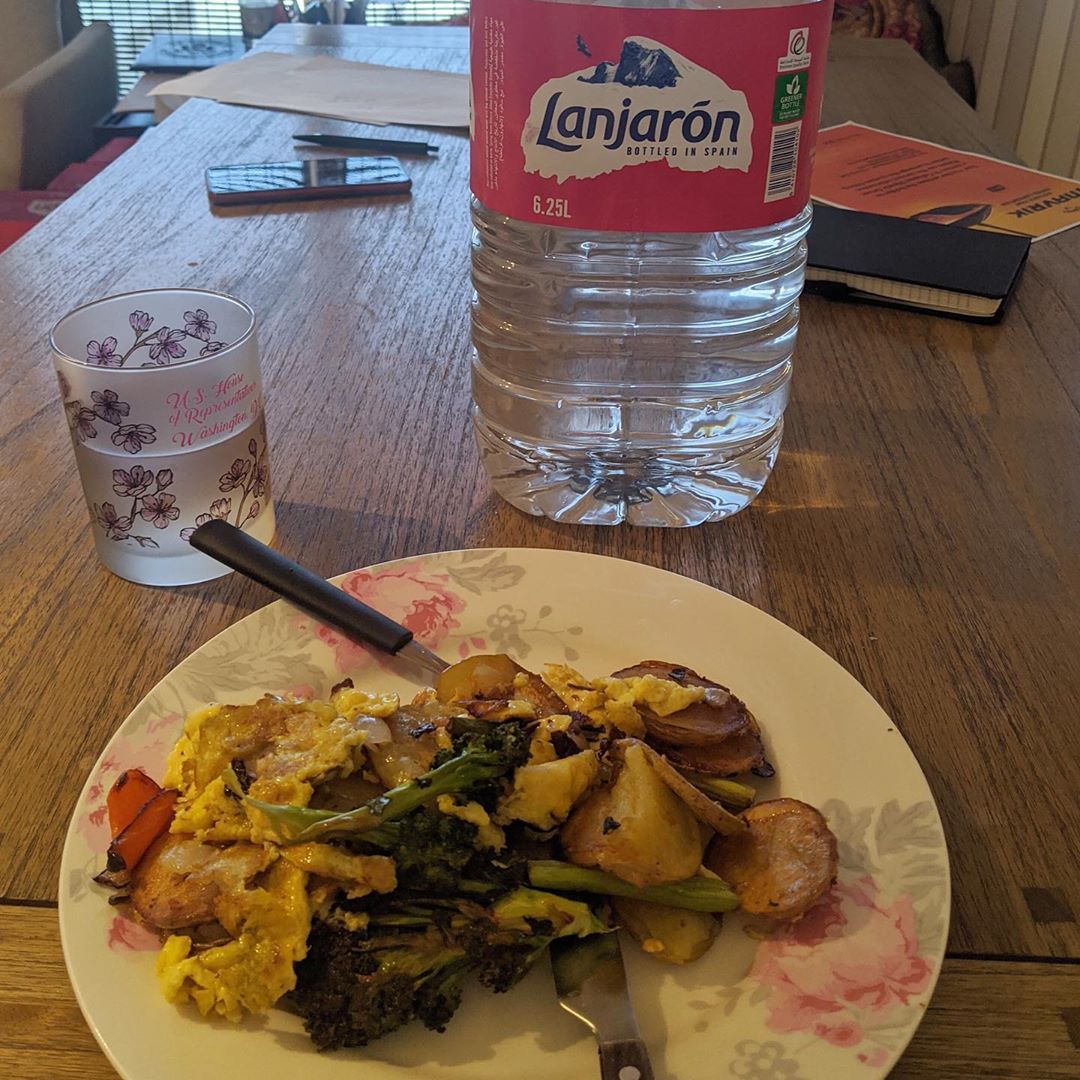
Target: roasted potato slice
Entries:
(637, 828)
(704, 723)
(739, 754)
(706, 810)
(672, 934)
(783, 864)
(715, 737)
(495, 677)
(180, 880)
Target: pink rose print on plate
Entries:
(124, 934)
(419, 600)
(875, 1058)
(845, 968)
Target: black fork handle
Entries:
(329, 604)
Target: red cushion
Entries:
(74, 176)
(112, 150)
(20, 211)
(10, 231)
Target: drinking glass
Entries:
(162, 395)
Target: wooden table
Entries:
(921, 525)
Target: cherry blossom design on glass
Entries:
(246, 478)
(163, 344)
(106, 408)
(151, 503)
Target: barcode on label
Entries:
(783, 162)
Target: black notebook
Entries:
(944, 269)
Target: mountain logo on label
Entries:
(638, 65)
(651, 105)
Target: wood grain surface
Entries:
(921, 525)
(998, 1020)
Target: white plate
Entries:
(838, 995)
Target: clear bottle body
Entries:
(633, 377)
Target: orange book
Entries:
(861, 168)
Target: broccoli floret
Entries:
(526, 921)
(355, 987)
(430, 850)
(502, 965)
(508, 740)
(410, 958)
(483, 754)
(438, 853)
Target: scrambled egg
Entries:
(541, 748)
(361, 874)
(543, 795)
(614, 702)
(488, 834)
(252, 972)
(661, 696)
(213, 815)
(286, 747)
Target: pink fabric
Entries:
(112, 150)
(75, 176)
(20, 211)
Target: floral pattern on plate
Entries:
(851, 970)
(430, 605)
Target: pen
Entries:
(355, 142)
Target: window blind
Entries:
(134, 22)
(415, 11)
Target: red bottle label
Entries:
(646, 120)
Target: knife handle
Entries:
(626, 1059)
(328, 603)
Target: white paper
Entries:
(325, 86)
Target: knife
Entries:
(591, 983)
(313, 594)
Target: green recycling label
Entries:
(789, 101)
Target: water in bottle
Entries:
(640, 177)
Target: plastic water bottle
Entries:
(641, 199)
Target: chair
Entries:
(57, 79)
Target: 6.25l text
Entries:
(551, 207)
